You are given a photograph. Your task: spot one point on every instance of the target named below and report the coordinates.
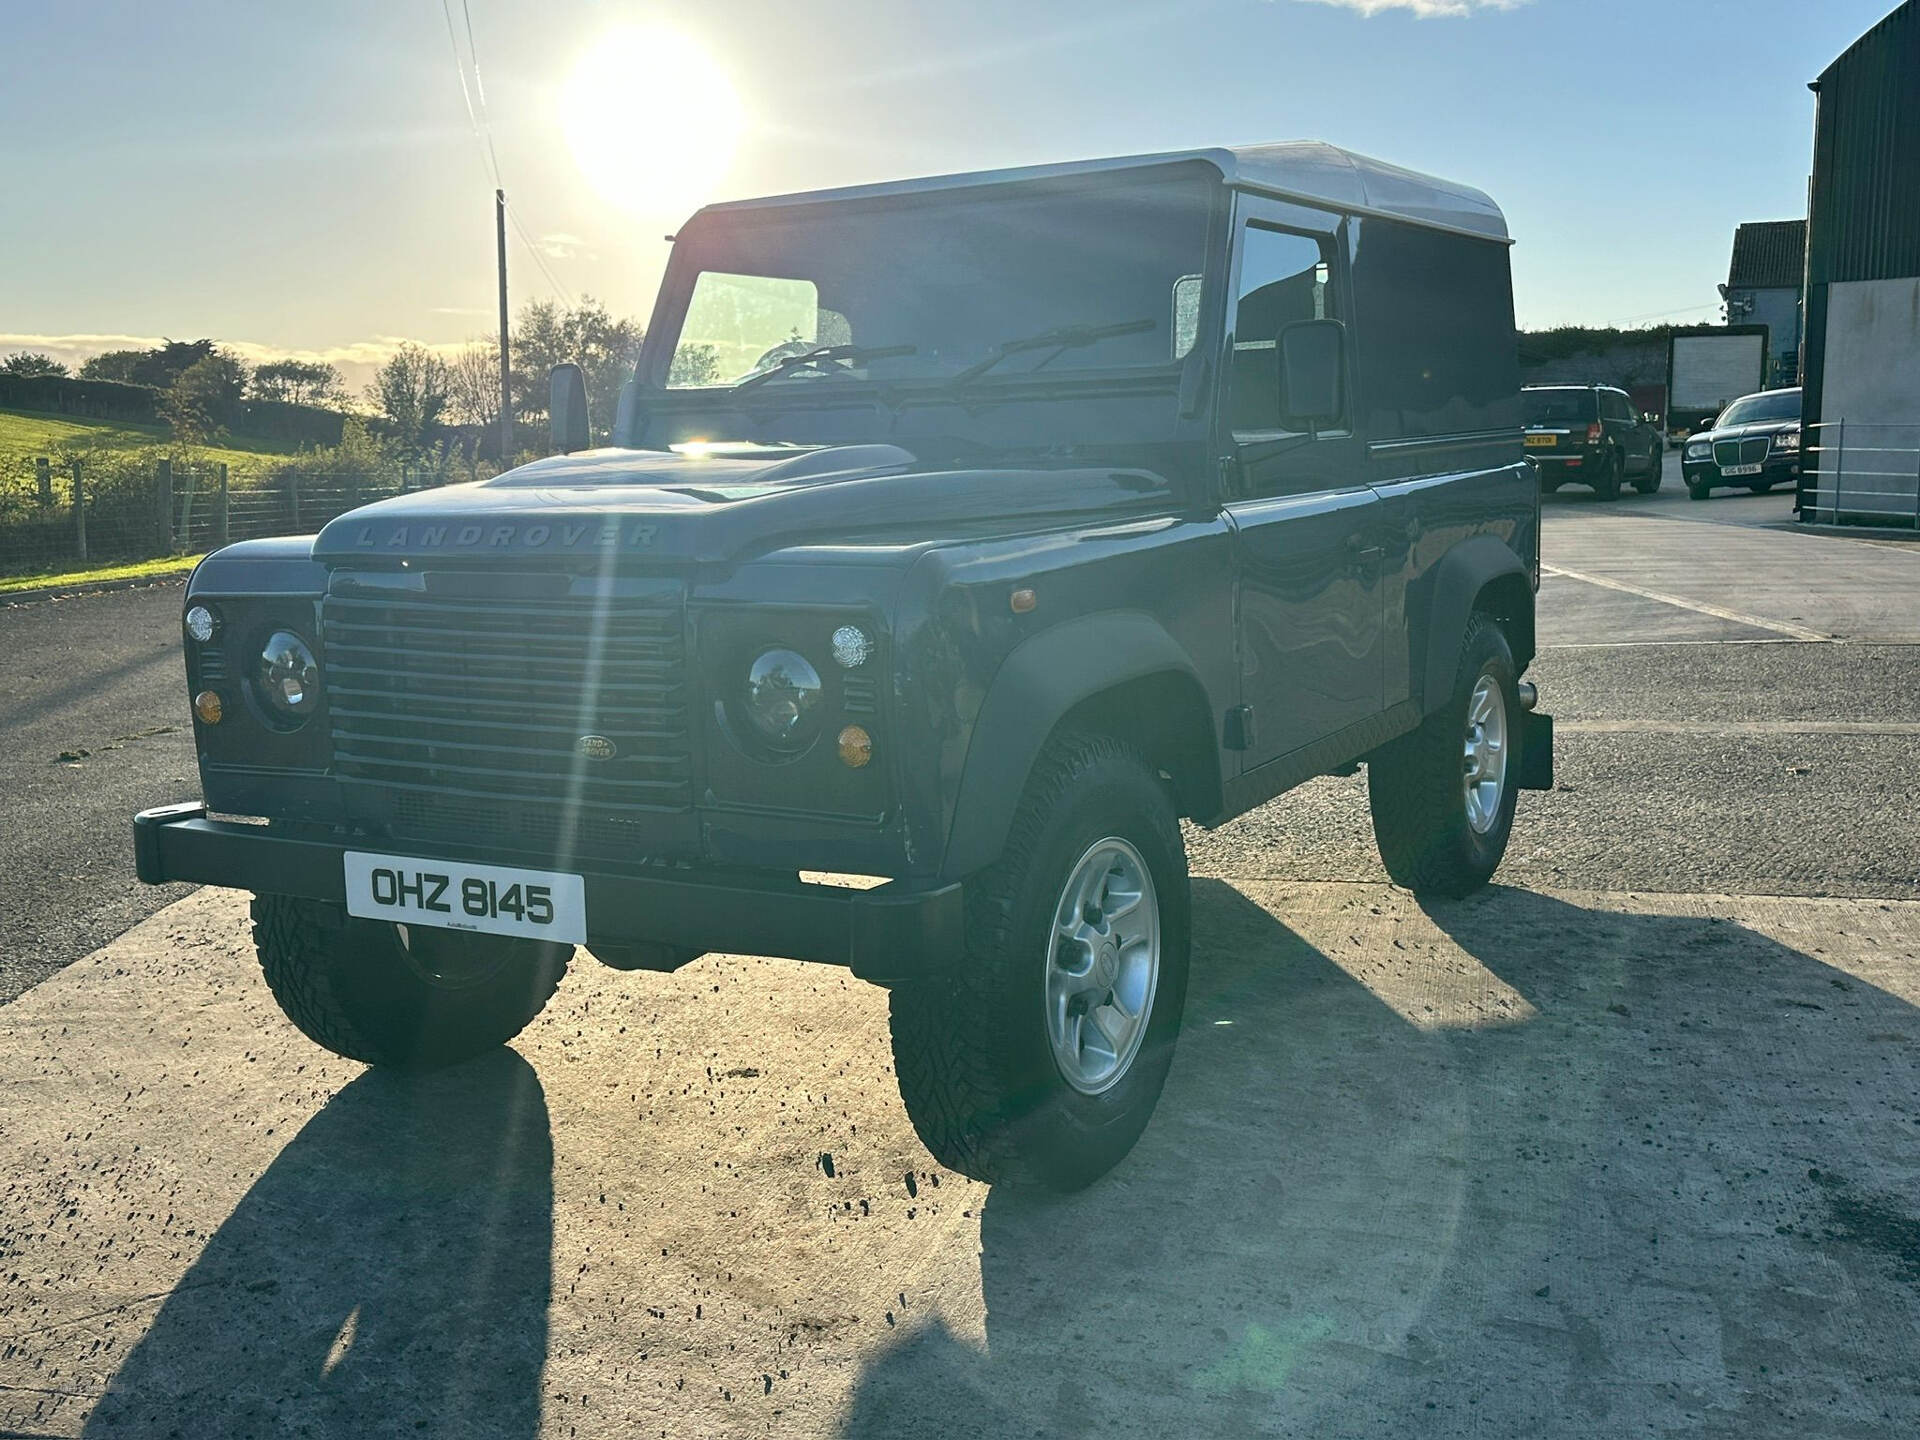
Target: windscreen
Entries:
(1558, 407)
(945, 282)
(1754, 409)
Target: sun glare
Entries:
(651, 119)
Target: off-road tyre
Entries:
(1650, 483)
(1415, 784)
(1698, 490)
(1607, 483)
(352, 986)
(970, 1042)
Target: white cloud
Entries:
(561, 246)
(1424, 9)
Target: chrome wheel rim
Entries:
(1486, 753)
(1104, 966)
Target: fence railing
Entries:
(56, 510)
(1862, 472)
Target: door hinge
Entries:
(1239, 729)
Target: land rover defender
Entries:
(962, 534)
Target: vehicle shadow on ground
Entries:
(388, 1274)
(1563, 1223)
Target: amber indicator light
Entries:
(207, 706)
(1022, 600)
(856, 747)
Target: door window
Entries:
(1614, 406)
(1284, 278)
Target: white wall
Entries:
(1871, 381)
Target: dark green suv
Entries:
(1593, 435)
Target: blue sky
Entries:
(303, 178)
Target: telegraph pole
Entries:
(506, 374)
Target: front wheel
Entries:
(1761, 487)
(1038, 1054)
(1698, 489)
(1443, 795)
(406, 997)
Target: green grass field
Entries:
(25, 434)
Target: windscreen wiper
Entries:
(824, 358)
(1059, 340)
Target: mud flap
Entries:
(1536, 751)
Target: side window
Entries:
(1284, 277)
(1613, 406)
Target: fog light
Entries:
(856, 747)
(201, 623)
(207, 706)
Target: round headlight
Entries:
(287, 677)
(200, 623)
(783, 698)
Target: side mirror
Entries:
(1312, 391)
(567, 408)
(627, 417)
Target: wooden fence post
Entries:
(185, 542)
(79, 513)
(293, 490)
(163, 505)
(43, 475)
(221, 523)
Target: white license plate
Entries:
(1739, 469)
(455, 895)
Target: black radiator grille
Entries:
(489, 699)
(1740, 452)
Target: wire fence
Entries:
(63, 510)
(1863, 473)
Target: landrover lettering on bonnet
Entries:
(567, 534)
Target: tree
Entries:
(411, 391)
(113, 365)
(201, 402)
(27, 363)
(473, 385)
(299, 382)
(590, 336)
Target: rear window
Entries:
(1557, 407)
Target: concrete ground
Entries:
(1623, 1146)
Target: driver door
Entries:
(1308, 586)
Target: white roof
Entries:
(1306, 170)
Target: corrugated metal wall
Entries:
(1863, 210)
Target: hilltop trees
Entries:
(300, 382)
(28, 363)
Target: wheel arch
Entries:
(1481, 574)
(1117, 673)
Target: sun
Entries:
(651, 119)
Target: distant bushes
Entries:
(280, 420)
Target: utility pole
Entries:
(506, 374)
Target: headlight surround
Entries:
(1787, 440)
(782, 699)
(286, 680)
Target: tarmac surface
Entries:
(1624, 1145)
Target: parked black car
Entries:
(1755, 442)
(1032, 550)
(1592, 434)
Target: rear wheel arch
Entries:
(1481, 574)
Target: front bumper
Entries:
(896, 931)
(1779, 468)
